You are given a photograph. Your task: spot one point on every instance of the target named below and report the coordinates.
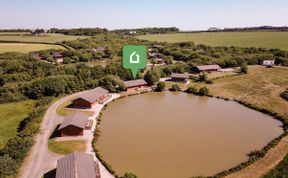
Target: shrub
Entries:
(129, 175)
(244, 69)
(160, 86)
(203, 77)
(204, 91)
(112, 83)
(18, 147)
(175, 87)
(152, 76)
(284, 95)
(192, 89)
(8, 166)
(209, 81)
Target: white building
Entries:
(268, 62)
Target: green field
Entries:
(26, 37)
(11, 115)
(26, 47)
(66, 147)
(242, 39)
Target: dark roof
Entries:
(76, 165)
(183, 76)
(36, 55)
(93, 95)
(208, 67)
(78, 119)
(56, 54)
(134, 83)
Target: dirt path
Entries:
(265, 164)
(40, 159)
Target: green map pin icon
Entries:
(134, 58)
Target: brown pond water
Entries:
(177, 135)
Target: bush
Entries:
(284, 95)
(192, 89)
(112, 83)
(160, 86)
(203, 77)
(244, 69)
(8, 166)
(152, 76)
(204, 91)
(129, 175)
(209, 81)
(175, 87)
(18, 147)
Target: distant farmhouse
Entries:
(268, 63)
(77, 165)
(74, 124)
(175, 77)
(207, 68)
(91, 98)
(135, 85)
(37, 55)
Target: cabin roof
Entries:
(182, 76)
(208, 67)
(76, 165)
(77, 119)
(133, 83)
(93, 95)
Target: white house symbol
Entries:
(132, 61)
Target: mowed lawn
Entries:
(261, 86)
(27, 37)
(26, 47)
(242, 39)
(11, 114)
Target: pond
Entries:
(179, 135)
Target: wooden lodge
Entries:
(175, 77)
(90, 98)
(207, 68)
(74, 124)
(135, 85)
(77, 165)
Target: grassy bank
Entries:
(281, 170)
(11, 115)
(66, 147)
(242, 39)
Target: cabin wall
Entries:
(71, 131)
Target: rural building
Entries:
(57, 55)
(268, 63)
(100, 49)
(37, 55)
(90, 98)
(135, 85)
(175, 77)
(74, 124)
(207, 68)
(159, 60)
(77, 165)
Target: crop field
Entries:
(26, 47)
(242, 39)
(11, 115)
(27, 37)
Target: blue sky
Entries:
(115, 14)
